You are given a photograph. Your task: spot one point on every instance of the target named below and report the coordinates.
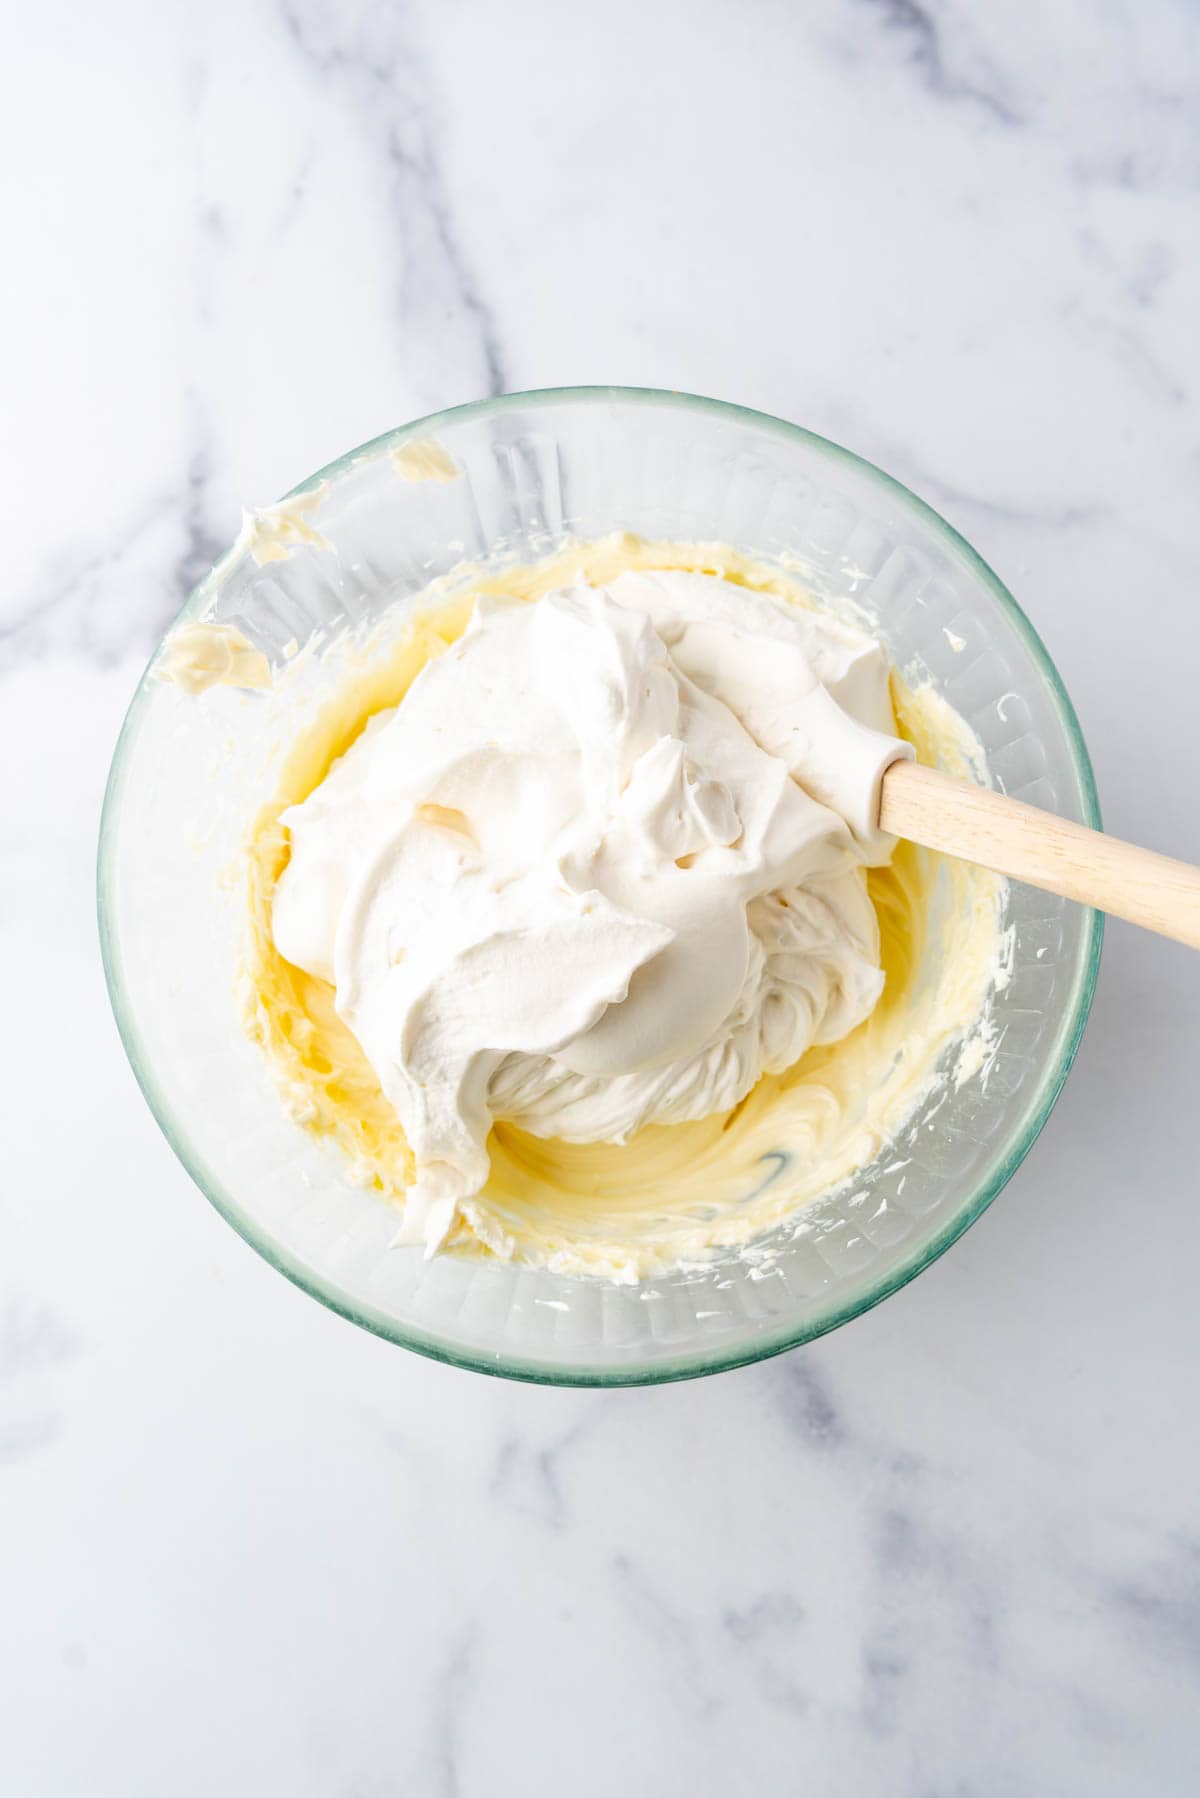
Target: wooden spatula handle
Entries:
(964, 820)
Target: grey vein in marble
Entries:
(922, 33)
(386, 79)
(526, 1479)
(1162, 1604)
(452, 1693)
(805, 1402)
(81, 604)
(767, 1630)
(201, 546)
(34, 1344)
(672, 1633)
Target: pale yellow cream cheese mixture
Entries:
(673, 1194)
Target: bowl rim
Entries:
(694, 1364)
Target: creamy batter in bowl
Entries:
(514, 483)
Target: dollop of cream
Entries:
(199, 656)
(273, 533)
(424, 459)
(604, 866)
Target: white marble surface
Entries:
(951, 1550)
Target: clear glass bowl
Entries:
(188, 774)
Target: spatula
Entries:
(977, 825)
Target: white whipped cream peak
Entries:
(602, 867)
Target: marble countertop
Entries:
(246, 1548)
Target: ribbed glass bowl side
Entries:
(534, 470)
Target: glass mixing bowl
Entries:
(189, 773)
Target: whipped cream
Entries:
(602, 867)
